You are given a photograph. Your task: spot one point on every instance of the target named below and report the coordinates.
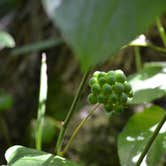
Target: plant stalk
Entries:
(161, 31)
(42, 103)
(70, 113)
(77, 129)
(151, 140)
(137, 58)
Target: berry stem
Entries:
(151, 140)
(77, 129)
(70, 113)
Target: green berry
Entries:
(96, 88)
(101, 99)
(118, 87)
(127, 87)
(130, 94)
(92, 81)
(92, 99)
(102, 74)
(111, 72)
(113, 98)
(110, 79)
(96, 73)
(107, 88)
(123, 98)
(102, 80)
(120, 77)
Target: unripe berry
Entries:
(92, 81)
(102, 80)
(92, 99)
(127, 87)
(123, 98)
(96, 73)
(107, 89)
(110, 79)
(113, 98)
(96, 88)
(120, 77)
(102, 74)
(130, 94)
(118, 87)
(101, 99)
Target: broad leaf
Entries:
(149, 83)
(136, 134)
(22, 156)
(6, 40)
(96, 29)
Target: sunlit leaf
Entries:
(135, 135)
(96, 29)
(22, 156)
(140, 41)
(6, 40)
(149, 83)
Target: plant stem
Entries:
(137, 58)
(70, 113)
(36, 47)
(77, 129)
(161, 31)
(42, 103)
(149, 143)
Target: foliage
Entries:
(95, 30)
(137, 133)
(105, 26)
(6, 101)
(149, 83)
(6, 40)
(19, 155)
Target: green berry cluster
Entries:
(110, 89)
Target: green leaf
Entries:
(149, 83)
(156, 156)
(96, 29)
(6, 101)
(22, 156)
(6, 40)
(136, 134)
(49, 127)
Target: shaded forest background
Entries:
(28, 23)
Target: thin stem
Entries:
(77, 129)
(157, 48)
(36, 47)
(70, 113)
(161, 31)
(137, 58)
(149, 143)
(42, 103)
